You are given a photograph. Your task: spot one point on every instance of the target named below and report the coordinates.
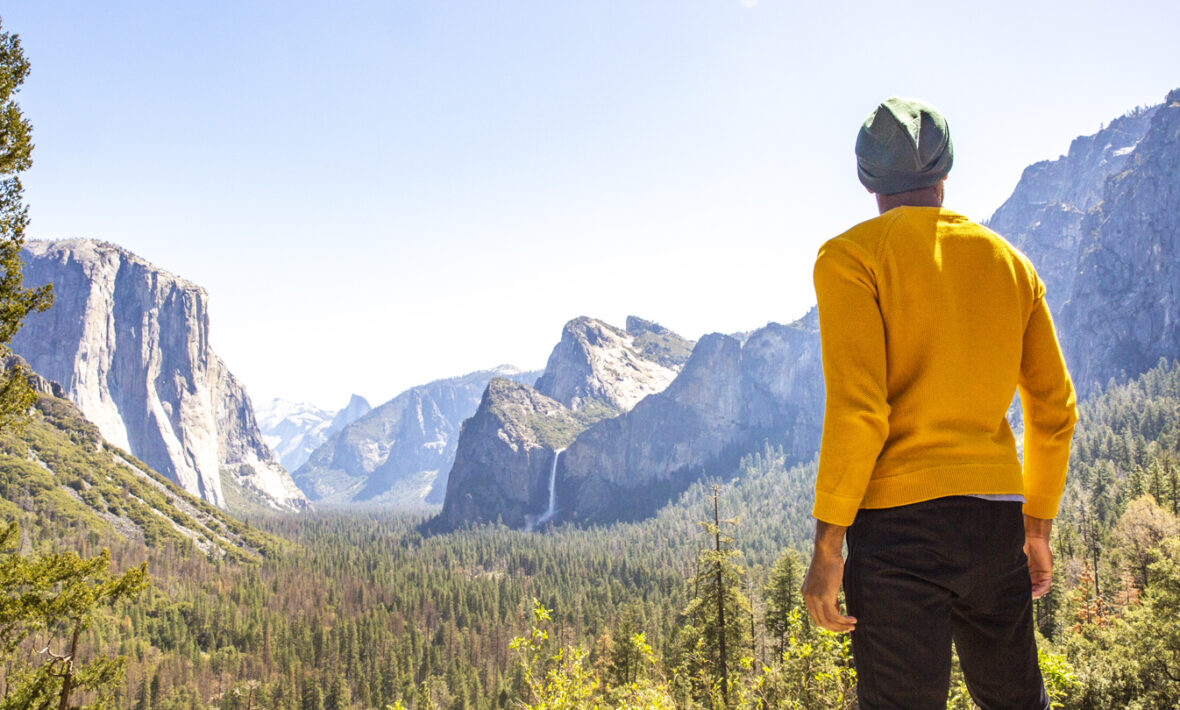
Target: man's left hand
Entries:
(1040, 555)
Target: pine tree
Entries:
(782, 595)
(56, 596)
(715, 634)
(16, 301)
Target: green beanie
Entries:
(903, 145)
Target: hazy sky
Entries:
(379, 194)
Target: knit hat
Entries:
(903, 145)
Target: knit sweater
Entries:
(929, 324)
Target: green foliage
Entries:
(783, 597)
(558, 432)
(714, 637)
(814, 669)
(16, 301)
(56, 596)
(58, 474)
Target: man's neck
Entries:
(923, 197)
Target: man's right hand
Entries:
(1040, 555)
(825, 574)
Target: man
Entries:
(929, 323)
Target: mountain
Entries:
(293, 430)
(1128, 316)
(1100, 224)
(399, 453)
(1044, 215)
(598, 364)
(507, 452)
(730, 399)
(129, 343)
(58, 473)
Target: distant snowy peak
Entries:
(293, 430)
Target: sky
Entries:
(380, 194)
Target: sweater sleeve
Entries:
(1047, 398)
(856, 413)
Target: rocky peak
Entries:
(356, 408)
(659, 343)
(732, 395)
(598, 364)
(1045, 213)
(505, 455)
(129, 344)
(1128, 314)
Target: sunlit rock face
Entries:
(129, 344)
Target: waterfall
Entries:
(549, 512)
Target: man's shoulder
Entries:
(867, 235)
(1000, 244)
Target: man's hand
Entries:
(1040, 556)
(824, 577)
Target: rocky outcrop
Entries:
(400, 453)
(293, 430)
(504, 458)
(129, 344)
(1100, 224)
(1045, 214)
(729, 399)
(1124, 314)
(598, 364)
(595, 372)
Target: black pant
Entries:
(920, 575)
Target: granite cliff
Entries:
(1127, 315)
(508, 449)
(1044, 216)
(730, 397)
(1100, 224)
(505, 454)
(129, 344)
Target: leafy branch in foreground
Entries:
(56, 597)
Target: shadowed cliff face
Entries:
(1100, 225)
(728, 399)
(1124, 314)
(1045, 214)
(129, 344)
(504, 458)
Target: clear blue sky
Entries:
(378, 194)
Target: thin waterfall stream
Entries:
(549, 512)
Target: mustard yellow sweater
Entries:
(929, 323)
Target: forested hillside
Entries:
(364, 611)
